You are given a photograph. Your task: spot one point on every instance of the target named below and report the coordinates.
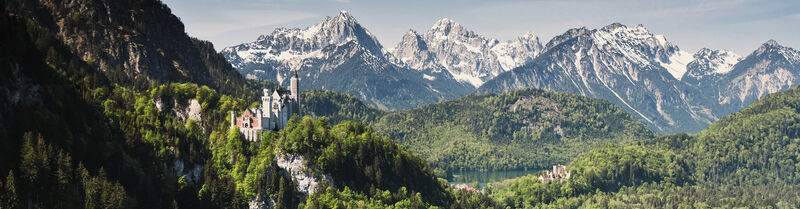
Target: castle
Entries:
(559, 173)
(276, 108)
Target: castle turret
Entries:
(295, 87)
(233, 118)
(266, 104)
(295, 97)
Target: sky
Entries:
(737, 25)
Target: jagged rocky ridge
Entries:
(339, 54)
(769, 69)
(467, 56)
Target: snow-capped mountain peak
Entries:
(788, 53)
(445, 24)
(467, 56)
(529, 35)
(413, 51)
(709, 64)
(720, 61)
(292, 45)
(639, 45)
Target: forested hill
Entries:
(82, 127)
(747, 159)
(338, 107)
(514, 130)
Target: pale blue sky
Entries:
(738, 25)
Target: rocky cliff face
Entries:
(770, 68)
(296, 168)
(709, 65)
(132, 46)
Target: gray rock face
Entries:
(769, 69)
(149, 43)
(468, 57)
(296, 167)
(261, 202)
(709, 65)
(190, 109)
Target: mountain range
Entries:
(669, 89)
(339, 54)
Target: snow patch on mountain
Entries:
(677, 63)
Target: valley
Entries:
(484, 178)
(110, 104)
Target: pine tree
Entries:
(281, 193)
(9, 197)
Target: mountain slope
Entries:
(339, 54)
(708, 65)
(133, 42)
(467, 56)
(770, 68)
(626, 65)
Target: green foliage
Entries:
(347, 198)
(748, 159)
(337, 107)
(605, 169)
(8, 197)
(515, 130)
(359, 159)
(51, 181)
(131, 127)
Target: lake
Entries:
(485, 177)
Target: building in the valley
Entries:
(559, 173)
(466, 187)
(277, 106)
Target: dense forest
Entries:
(74, 137)
(514, 130)
(747, 159)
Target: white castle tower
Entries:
(276, 109)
